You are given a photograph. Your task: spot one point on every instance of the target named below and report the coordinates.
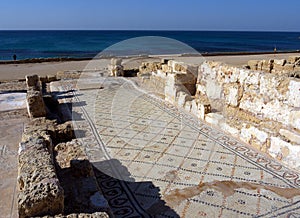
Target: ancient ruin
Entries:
(209, 129)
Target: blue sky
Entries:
(262, 15)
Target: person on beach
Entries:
(15, 57)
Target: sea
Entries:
(89, 44)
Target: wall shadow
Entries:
(126, 197)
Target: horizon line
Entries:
(152, 30)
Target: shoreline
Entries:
(213, 54)
(18, 70)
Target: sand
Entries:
(19, 71)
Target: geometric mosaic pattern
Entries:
(151, 159)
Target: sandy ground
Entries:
(19, 71)
(11, 128)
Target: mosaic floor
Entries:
(152, 160)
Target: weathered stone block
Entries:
(116, 70)
(182, 98)
(214, 118)
(294, 93)
(233, 93)
(230, 129)
(285, 152)
(200, 109)
(35, 104)
(32, 81)
(40, 191)
(188, 106)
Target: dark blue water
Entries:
(87, 44)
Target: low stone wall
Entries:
(52, 168)
(277, 66)
(260, 108)
(40, 190)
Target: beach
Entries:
(19, 71)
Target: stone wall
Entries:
(277, 66)
(52, 168)
(260, 108)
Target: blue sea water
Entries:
(87, 44)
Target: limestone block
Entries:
(285, 152)
(280, 62)
(245, 134)
(290, 136)
(35, 104)
(200, 89)
(253, 78)
(182, 98)
(293, 59)
(213, 89)
(40, 191)
(171, 93)
(294, 93)
(277, 111)
(33, 82)
(258, 134)
(116, 70)
(274, 87)
(233, 93)
(230, 129)
(200, 109)
(214, 118)
(243, 75)
(294, 118)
